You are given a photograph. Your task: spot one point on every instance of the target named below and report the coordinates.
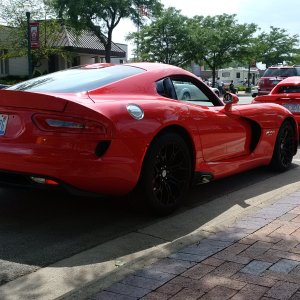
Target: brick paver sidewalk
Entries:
(257, 257)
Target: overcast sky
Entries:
(264, 13)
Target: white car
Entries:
(254, 91)
(187, 91)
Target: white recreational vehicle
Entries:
(238, 75)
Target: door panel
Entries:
(223, 135)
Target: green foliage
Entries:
(277, 46)
(165, 40)
(213, 41)
(295, 59)
(102, 16)
(219, 40)
(10, 80)
(14, 36)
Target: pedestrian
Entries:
(232, 89)
(220, 85)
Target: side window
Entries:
(186, 90)
(164, 88)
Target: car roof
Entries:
(155, 66)
(283, 67)
(147, 66)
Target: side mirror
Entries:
(230, 99)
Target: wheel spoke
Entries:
(170, 172)
(286, 148)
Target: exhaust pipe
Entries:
(42, 180)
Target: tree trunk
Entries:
(108, 47)
(248, 88)
(249, 75)
(213, 76)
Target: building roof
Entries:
(84, 42)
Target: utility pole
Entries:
(29, 45)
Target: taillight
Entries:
(260, 82)
(68, 124)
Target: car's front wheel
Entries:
(166, 173)
(284, 148)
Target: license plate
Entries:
(292, 107)
(274, 82)
(3, 123)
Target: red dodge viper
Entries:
(112, 129)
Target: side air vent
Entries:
(102, 147)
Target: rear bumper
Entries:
(24, 181)
(76, 170)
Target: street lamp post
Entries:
(29, 45)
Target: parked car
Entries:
(113, 129)
(285, 93)
(254, 91)
(187, 91)
(275, 74)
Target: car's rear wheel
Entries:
(284, 148)
(186, 96)
(166, 173)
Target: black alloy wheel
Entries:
(166, 173)
(284, 149)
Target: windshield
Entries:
(280, 72)
(77, 79)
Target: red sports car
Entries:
(112, 129)
(285, 93)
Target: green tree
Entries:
(277, 46)
(102, 16)
(14, 34)
(165, 40)
(218, 40)
(249, 54)
(295, 59)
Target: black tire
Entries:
(166, 173)
(284, 148)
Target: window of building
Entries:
(238, 75)
(225, 74)
(76, 61)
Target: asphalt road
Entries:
(38, 228)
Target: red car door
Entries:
(223, 134)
